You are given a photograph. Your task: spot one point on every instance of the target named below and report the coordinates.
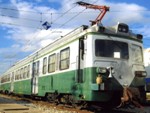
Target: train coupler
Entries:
(130, 96)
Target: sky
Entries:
(21, 31)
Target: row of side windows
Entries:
(22, 73)
(53, 60)
(6, 78)
(51, 64)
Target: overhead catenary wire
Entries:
(73, 17)
(20, 18)
(60, 25)
(51, 23)
(4, 8)
(17, 25)
(62, 14)
(41, 13)
(67, 12)
(37, 33)
(29, 41)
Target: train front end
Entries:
(114, 61)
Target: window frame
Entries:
(25, 72)
(67, 59)
(135, 46)
(44, 69)
(28, 71)
(51, 63)
(36, 67)
(115, 43)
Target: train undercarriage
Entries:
(129, 96)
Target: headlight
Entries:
(101, 70)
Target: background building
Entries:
(147, 61)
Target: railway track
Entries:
(11, 104)
(16, 108)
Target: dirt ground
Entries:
(11, 104)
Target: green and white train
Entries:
(91, 64)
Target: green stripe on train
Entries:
(5, 87)
(66, 83)
(23, 87)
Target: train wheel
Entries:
(6, 92)
(50, 97)
(72, 100)
(64, 99)
(77, 104)
(53, 98)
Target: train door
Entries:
(79, 78)
(12, 83)
(34, 79)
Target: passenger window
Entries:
(16, 75)
(8, 77)
(64, 58)
(17, 78)
(51, 63)
(12, 77)
(57, 61)
(44, 65)
(19, 74)
(28, 71)
(22, 71)
(25, 72)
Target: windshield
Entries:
(110, 48)
(137, 54)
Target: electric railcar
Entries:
(90, 64)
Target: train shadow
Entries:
(10, 100)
